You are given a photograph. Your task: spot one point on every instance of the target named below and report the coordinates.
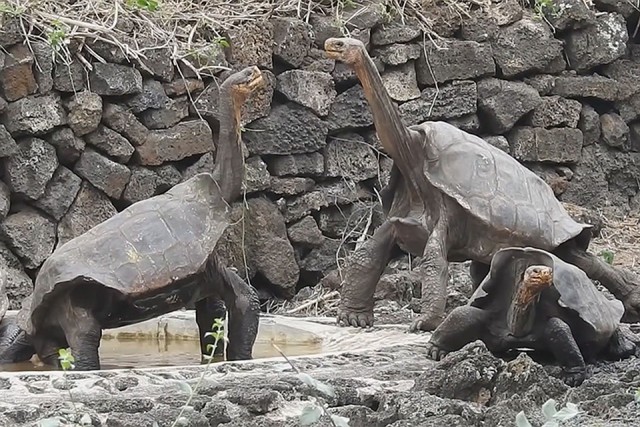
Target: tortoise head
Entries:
(244, 82)
(536, 279)
(344, 49)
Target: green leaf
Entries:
(310, 415)
(320, 386)
(522, 421)
(549, 409)
(340, 421)
(49, 422)
(568, 412)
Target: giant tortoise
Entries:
(154, 257)
(532, 299)
(453, 197)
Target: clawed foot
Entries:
(573, 377)
(434, 352)
(362, 319)
(425, 323)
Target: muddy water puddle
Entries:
(126, 354)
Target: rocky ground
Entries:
(396, 387)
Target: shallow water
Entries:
(124, 354)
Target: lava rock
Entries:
(543, 83)
(319, 261)
(158, 60)
(593, 86)
(111, 143)
(395, 32)
(499, 142)
(350, 110)
(115, 79)
(599, 44)
(555, 111)
(455, 60)
(151, 96)
(252, 45)
(348, 155)
(468, 123)
(125, 123)
(16, 75)
(291, 40)
(290, 186)
(525, 46)
(8, 146)
(84, 112)
(557, 145)
(454, 99)
(145, 183)
(615, 131)
(19, 285)
(289, 129)
(397, 54)
(400, 82)
(503, 103)
(204, 164)
(60, 193)
(69, 77)
(258, 104)
(183, 140)
(183, 87)
(68, 146)
(31, 168)
(305, 233)
(90, 208)
(257, 176)
(34, 115)
(570, 14)
(5, 200)
(168, 115)
(31, 235)
(311, 89)
(102, 173)
(311, 164)
(589, 124)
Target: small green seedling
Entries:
(66, 359)
(148, 5)
(607, 256)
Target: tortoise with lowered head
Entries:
(156, 256)
(453, 197)
(532, 299)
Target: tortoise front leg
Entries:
(207, 310)
(558, 339)
(478, 271)
(434, 269)
(365, 266)
(243, 305)
(83, 333)
(463, 325)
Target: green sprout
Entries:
(148, 5)
(607, 256)
(66, 359)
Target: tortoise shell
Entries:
(577, 292)
(146, 247)
(494, 187)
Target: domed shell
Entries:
(146, 247)
(495, 188)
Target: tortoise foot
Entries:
(425, 323)
(573, 377)
(434, 352)
(362, 319)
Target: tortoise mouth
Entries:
(333, 53)
(532, 286)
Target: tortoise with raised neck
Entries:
(532, 299)
(453, 197)
(156, 256)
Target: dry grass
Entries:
(620, 237)
(187, 27)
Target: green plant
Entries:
(57, 36)
(607, 255)
(148, 5)
(217, 332)
(543, 7)
(311, 414)
(221, 41)
(552, 416)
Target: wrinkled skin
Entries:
(531, 318)
(76, 315)
(423, 221)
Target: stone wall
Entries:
(78, 145)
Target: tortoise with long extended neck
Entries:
(154, 257)
(532, 299)
(453, 197)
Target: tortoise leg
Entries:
(365, 266)
(15, 345)
(434, 269)
(623, 284)
(478, 271)
(83, 333)
(559, 340)
(619, 346)
(243, 305)
(207, 310)
(463, 325)
(47, 350)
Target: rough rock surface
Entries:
(503, 102)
